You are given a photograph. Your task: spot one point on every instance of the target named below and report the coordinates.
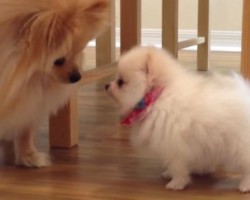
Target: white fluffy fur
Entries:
(200, 122)
(35, 34)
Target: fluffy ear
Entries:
(44, 32)
(41, 32)
(151, 67)
(148, 64)
(96, 16)
(82, 21)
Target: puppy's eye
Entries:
(120, 82)
(60, 62)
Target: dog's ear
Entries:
(39, 32)
(96, 16)
(147, 57)
(50, 29)
(44, 32)
(148, 65)
(147, 69)
(151, 68)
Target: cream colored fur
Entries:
(200, 123)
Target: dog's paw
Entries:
(244, 186)
(34, 159)
(178, 184)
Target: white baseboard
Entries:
(226, 41)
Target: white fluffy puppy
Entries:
(194, 123)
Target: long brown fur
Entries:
(33, 35)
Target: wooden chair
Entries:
(170, 13)
(63, 126)
(245, 55)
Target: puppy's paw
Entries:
(245, 185)
(178, 184)
(34, 159)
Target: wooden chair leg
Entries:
(170, 26)
(63, 127)
(203, 31)
(130, 24)
(245, 55)
(105, 44)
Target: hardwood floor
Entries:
(104, 166)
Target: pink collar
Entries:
(142, 106)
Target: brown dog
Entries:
(41, 58)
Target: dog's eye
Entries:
(120, 82)
(60, 62)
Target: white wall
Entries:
(225, 14)
(225, 20)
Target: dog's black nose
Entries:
(107, 86)
(74, 77)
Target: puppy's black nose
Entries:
(107, 86)
(75, 76)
